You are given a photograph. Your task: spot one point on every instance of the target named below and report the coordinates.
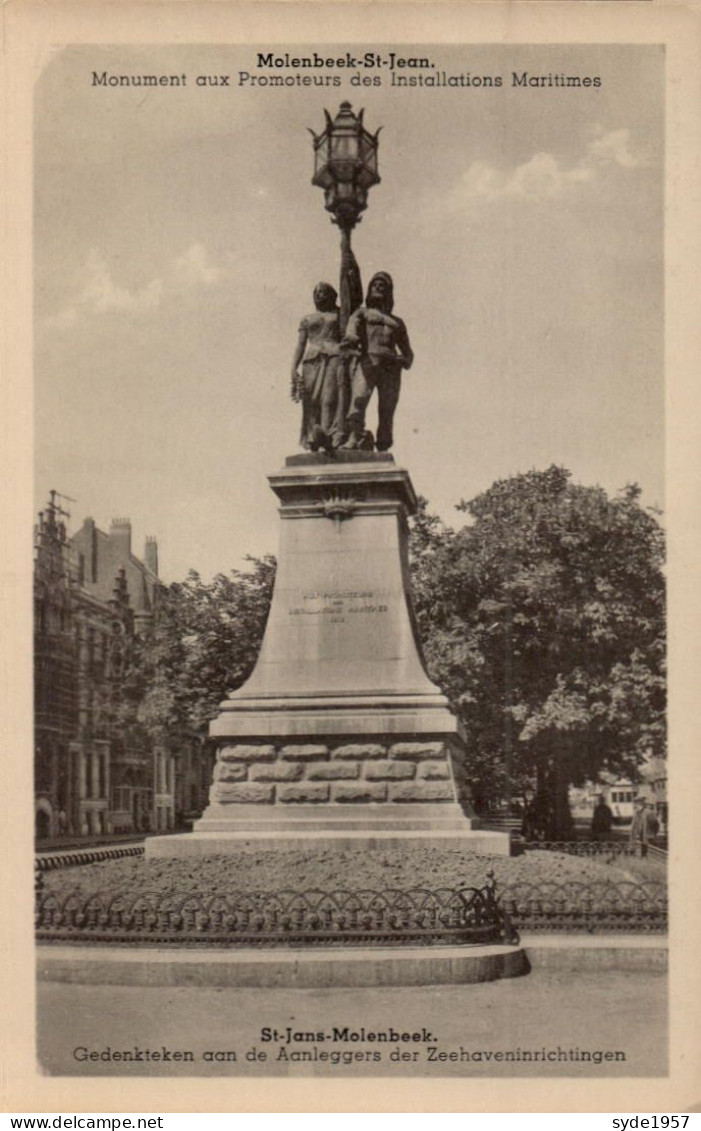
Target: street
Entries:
(548, 1023)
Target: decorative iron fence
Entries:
(594, 907)
(466, 916)
(48, 862)
(588, 847)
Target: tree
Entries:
(204, 643)
(543, 621)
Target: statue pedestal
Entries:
(339, 734)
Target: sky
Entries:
(178, 240)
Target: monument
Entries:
(339, 735)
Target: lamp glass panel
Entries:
(321, 154)
(368, 151)
(344, 146)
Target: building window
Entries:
(121, 797)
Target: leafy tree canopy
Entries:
(204, 644)
(543, 620)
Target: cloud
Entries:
(194, 267)
(545, 176)
(101, 294)
(615, 146)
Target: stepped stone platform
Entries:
(339, 734)
(311, 968)
(357, 967)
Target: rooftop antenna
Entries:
(56, 506)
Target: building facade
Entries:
(55, 696)
(116, 604)
(98, 770)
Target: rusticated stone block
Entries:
(244, 753)
(417, 750)
(245, 793)
(229, 771)
(275, 771)
(359, 750)
(421, 791)
(360, 793)
(305, 753)
(433, 771)
(389, 771)
(303, 793)
(331, 771)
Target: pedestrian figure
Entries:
(602, 820)
(644, 827)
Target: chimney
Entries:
(90, 550)
(151, 554)
(120, 535)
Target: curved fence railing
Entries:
(461, 916)
(595, 907)
(49, 861)
(591, 847)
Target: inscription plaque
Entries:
(337, 603)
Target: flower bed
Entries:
(256, 869)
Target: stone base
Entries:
(336, 783)
(339, 735)
(224, 842)
(335, 791)
(366, 820)
(303, 968)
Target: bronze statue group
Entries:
(334, 372)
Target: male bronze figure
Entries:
(377, 342)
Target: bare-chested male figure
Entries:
(381, 344)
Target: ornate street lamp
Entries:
(345, 167)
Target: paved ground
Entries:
(556, 1014)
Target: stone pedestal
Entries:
(339, 734)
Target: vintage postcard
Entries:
(352, 460)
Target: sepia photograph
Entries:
(349, 567)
